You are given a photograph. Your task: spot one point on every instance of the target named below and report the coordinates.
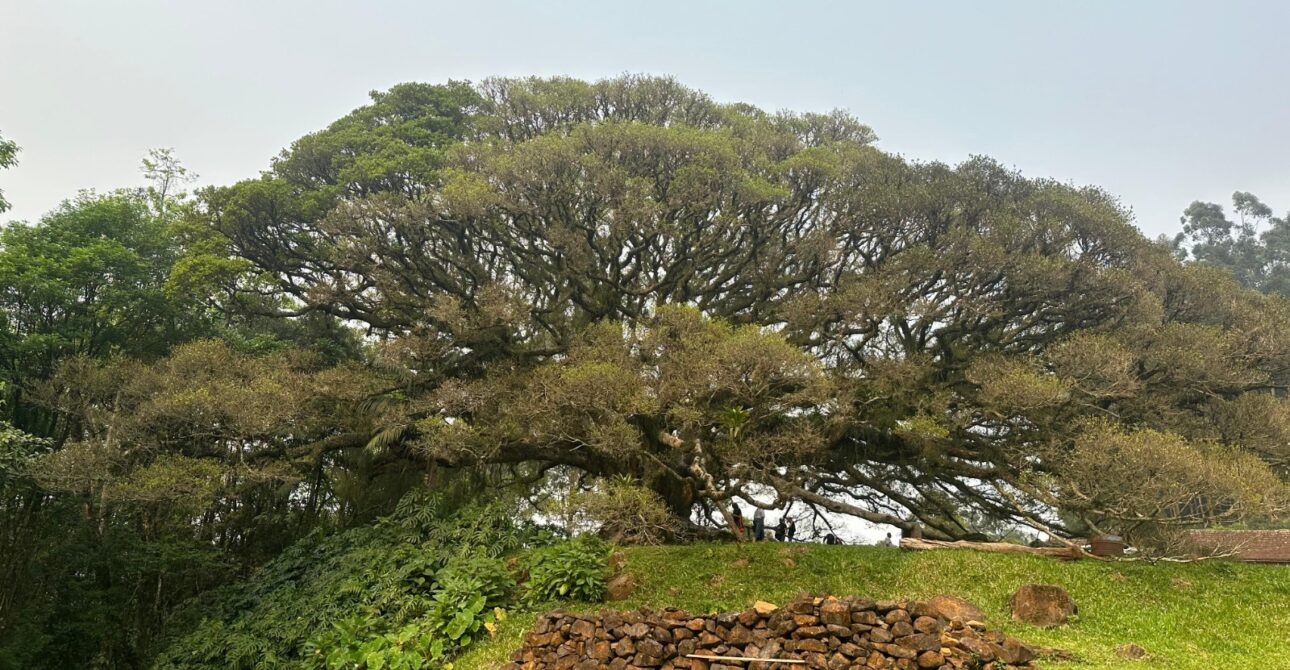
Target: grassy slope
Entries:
(1202, 615)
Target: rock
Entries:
(636, 630)
(952, 607)
(851, 650)
(922, 642)
(1042, 605)
(980, 649)
(815, 646)
(835, 612)
(620, 588)
(895, 615)
(764, 608)
(1130, 651)
(867, 618)
(811, 631)
(616, 561)
(583, 629)
(898, 651)
(739, 635)
(1015, 652)
(926, 624)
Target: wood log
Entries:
(914, 544)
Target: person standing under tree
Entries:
(779, 530)
(738, 515)
(792, 529)
(759, 525)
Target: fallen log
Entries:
(918, 544)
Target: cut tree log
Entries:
(915, 544)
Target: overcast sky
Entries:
(1161, 103)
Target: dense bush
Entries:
(407, 592)
(572, 570)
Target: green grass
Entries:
(1187, 616)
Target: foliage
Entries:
(17, 451)
(404, 593)
(1150, 484)
(87, 280)
(626, 513)
(576, 570)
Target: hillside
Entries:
(1187, 616)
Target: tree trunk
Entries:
(677, 494)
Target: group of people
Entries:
(785, 530)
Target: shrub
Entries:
(571, 570)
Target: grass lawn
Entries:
(1188, 616)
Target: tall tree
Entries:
(951, 309)
(1255, 247)
(88, 279)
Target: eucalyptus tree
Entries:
(1255, 247)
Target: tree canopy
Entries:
(628, 278)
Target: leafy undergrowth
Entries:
(1187, 616)
(407, 593)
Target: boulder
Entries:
(1042, 605)
(620, 587)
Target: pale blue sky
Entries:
(1161, 103)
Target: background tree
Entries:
(87, 280)
(1255, 247)
(8, 159)
(123, 491)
